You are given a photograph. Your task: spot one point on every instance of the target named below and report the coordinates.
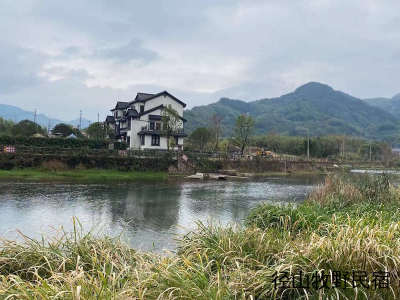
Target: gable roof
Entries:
(121, 105)
(151, 110)
(110, 119)
(155, 108)
(131, 113)
(143, 97)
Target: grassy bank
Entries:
(90, 175)
(349, 223)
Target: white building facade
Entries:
(140, 122)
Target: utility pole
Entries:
(370, 152)
(343, 148)
(98, 126)
(48, 127)
(34, 117)
(308, 144)
(80, 120)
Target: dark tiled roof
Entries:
(154, 117)
(110, 119)
(122, 105)
(155, 108)
(131, 113)
(143, 97)
(151, 110)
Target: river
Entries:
(150, 216)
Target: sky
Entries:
(60, 57)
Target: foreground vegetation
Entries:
(90, 175)
(349, 223)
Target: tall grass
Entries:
(344, 225)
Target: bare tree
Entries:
(216, 122)
(171, 122)
(243, 129)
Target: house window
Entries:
(151, 125)
(142, 140)
(158, 126)
(141, 109)
(155, 140)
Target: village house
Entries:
(141, 122)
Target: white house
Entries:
(139, 122)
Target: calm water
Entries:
(149, 216)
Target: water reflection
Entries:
(149, 215)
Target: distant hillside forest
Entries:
(313, 108)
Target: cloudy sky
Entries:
(63, 56)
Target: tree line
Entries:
(207, 139)
(27, 128)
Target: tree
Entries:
(200, 138)
(63, 129)
(5, 126)
(27, 128)
(97, 130)
(171, 122)
(216, 122)
(242, 131)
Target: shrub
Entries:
(53, 142)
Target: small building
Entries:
(139, 123)
(72, 136)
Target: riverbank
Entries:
(348, 224)
(101, 175)
(85, 176)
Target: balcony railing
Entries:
(156, 129)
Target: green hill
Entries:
(391, 105)
(314, 106)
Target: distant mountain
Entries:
(17, 114)
(391, 105)
(314, 107)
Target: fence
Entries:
(147, 153)
(19, 149)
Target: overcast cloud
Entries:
(64, 56)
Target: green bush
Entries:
(53, 142)
(14, 160)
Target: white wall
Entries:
(136, 126)
(165, 100)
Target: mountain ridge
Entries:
(391, 105)
(313, 107)
(16, 114)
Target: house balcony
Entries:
(147, 130)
